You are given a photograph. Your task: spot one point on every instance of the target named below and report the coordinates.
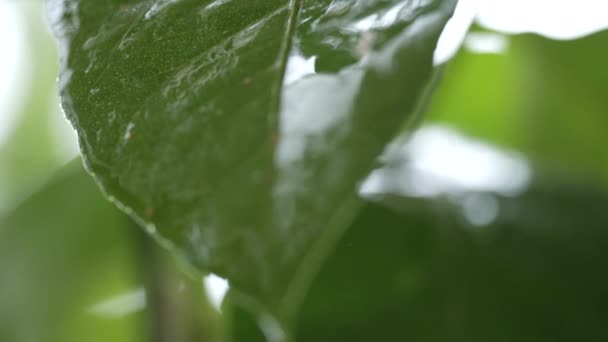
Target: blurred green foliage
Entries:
(422, 273)
(30, 153)
(61, 251)
(542, 97)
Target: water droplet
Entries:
(121, 305)
(215, 4)
(339, 7)
(111, 117)
(129, 131)
(150, 228)
(216, 289)
(480, 209)
(157, 7)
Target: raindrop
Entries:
(215, 4)
(121, 305)
(339, 7)
(216, 289)
(129, 131)
(480, 209)
(157, 7)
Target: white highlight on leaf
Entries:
(311, 108)
(129, 131)
(486, 43)
(121, 305)
(215, 4)
(455, 31)
(556, 19)
(298, 67)
(157, 7)
(439, 161)
(380, 21)
(216, 289)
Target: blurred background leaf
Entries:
(61, 251)
(75, 268)
(421, 272)
(539, 96)
(40, 139)
(418, 269)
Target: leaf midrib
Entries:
(286, 46)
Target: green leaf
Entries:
(422, 272)
(571, 79)
(540, 96)
(192, 119)
(67, 257)
(61, 251)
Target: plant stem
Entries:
(160, 327)
(177, 309)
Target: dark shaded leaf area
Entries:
(420, 272)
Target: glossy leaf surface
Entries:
(195, 118)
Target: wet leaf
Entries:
(237, 131)
(422, 272)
